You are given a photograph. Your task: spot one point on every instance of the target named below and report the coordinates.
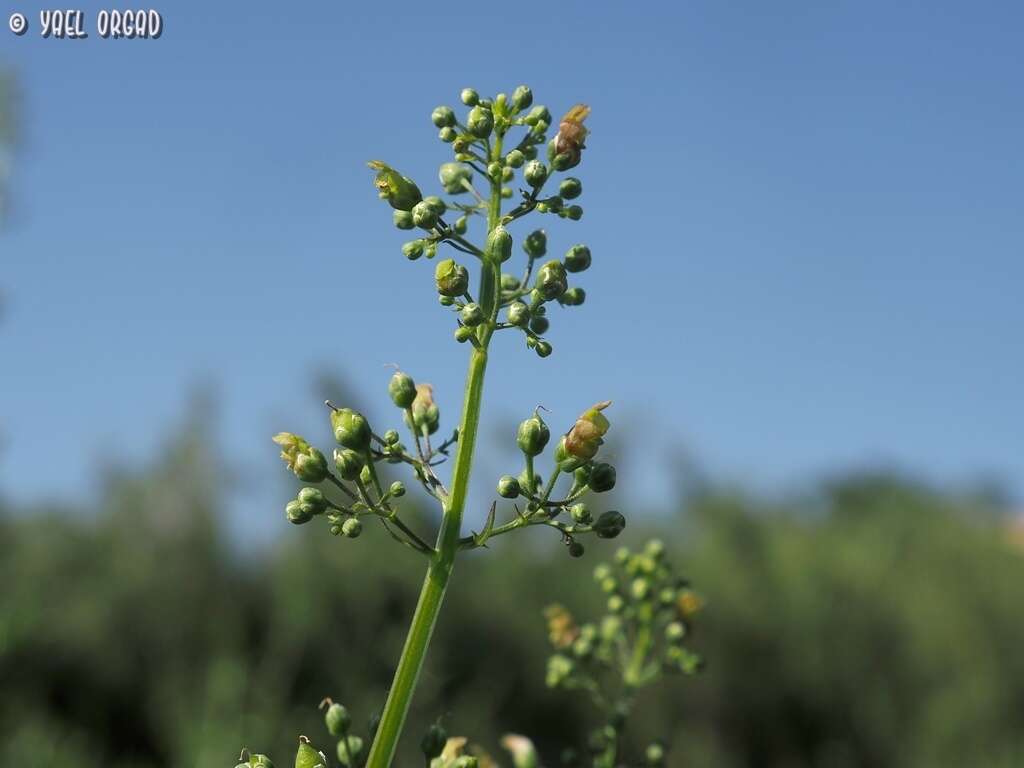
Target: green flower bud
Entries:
(297, 512)
(446, 301)
(338, 719)
(641, 587)
(433, 741)
(566, 461)
(518, 314)
(562, 162)
(461, 225)
(506, 193)
(509, 282)
(570, 188)
(307, 756)
(654, 755)
(261, 761)
(675, 631)
(601, 572)
(469, 97)
(535, 173)
(609, 525)
(349, 463)
(472, 314)
(413, 249)
(573, 297)
(443, 117)
(602, 477)
(538, 481)
(308, 464)
(313, 498)
(530, 152)
(587, 435)
(447, 135)
(508, 487)
(552, 281)
(560, 668)
(576, 550)
(616, 604)
(352, 527)
(494, 171)
(463, 334)
(655, 549)
(515, 159)
(574, 212)
(536, 244)
(480, 122)
(580, 513)
(397, 489)
(533, 435)
(424, 215)
(401, 192)
(522, 98)
(538, 114)
(609, 585)
(543, 349)
(426, 417)
(577, 258)
(451, 278)
(507, 174)
(540, 325)
(351, 429)
(452, 176)
(403, 219)
(349, 750)
(499, 245)
(402, 389)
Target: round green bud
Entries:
(480, 122)
(499, 245)
(577, 258)
(337, 719)
(533, 435)
(573, 297)
(609, 525)
(562, 162)
(494, 171)
(397, 489)
(518, 314)
(507, 174)
(576, 550)
(436, 204)
(570, 188)
(540, 325)
(307, 756)
(463, 334)
(602, 477)
(641, 588)
(402, 389)
(461, 225)
(574, 212)
(580, 513)
(654, 755)
(452, 176)
(508, 487)
(675, 631)
(536, 244)
(530, 152)
(538, 481)
(351, 429)
(451, 278)
(543, 349)
(469, 97)
(424, 215)
(609, 585)
(616, 604)
(447, 135)
(522, 98)
(446, 301)
(350, 748)
(311, 467)
(515, 159)
(352, 528)
(314, 499)
(506, 193)
(472, 314)
(297, 512)
(443, 117)
(538, 114)
(403, 219)
(552, 280)
(560, 668)
(655, 549)
(509, 282)
(391, 437)
(535, 173)
(433, 741)
(601, 572)
(413, 249)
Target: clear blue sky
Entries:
(807, 222)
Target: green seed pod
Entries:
(351, 429)
(533, 435)
(424, 215)
(538, 481)
(522, 98)
(609, 525)
(538, 114)
(469, 97)
(402, 389)
(313, 498)
(602, 477)
(413, 249)
(338, 719)
(530, 152)
(570, 188)
(518, 314)
(461, 225)
(536, 244)
(352, 528)
(401, 192)
(472, 314)
(576, 550)
(573, 297)
(552, 281)
(543, 349)
(350, 748)
(574, 212)
(397, 489)
(447, 135)
(452, 176)
(307, 756)
(480, 122)
(433, 741)
(580, 513)
(508, 487)
(540, 325)
(297, 512)
(349, 463)
(403, 219)
(515, 159)
(451, 278)
(463, 334)
(577, 258)
(535, 173)
(499, 245)
(562, 162)
(443, 117)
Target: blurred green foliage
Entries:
(877, 623)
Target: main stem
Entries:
(441, 563)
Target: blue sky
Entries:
(807, 222)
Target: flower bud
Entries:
(552, 281)
(587, 434)
(675, 631)
(515, 159)
(518, 314)
(654, 755)
(576, 550)
(413, 249)
(337, 719)
(571, 135)
(261, 761)
(574, 212)
(351, 429)
(560, 668)
(433, 741)
(580, 513)
(499, 245)
(402, 390)
(469, 97)
(506, 193)
(480, 122)
(609, 525)
(424, 215)
(313, 499)
(297, 512)
(401, 192)
(524, 754)
(655, 549)
(533, 435)
(523, 480)
(641, 587)
(538, 114)
(566, 461)
(452, 279)
(536, 244)
(349, 463)
(443, 117)
(350, 748)
(463, 334)
(461, 225)
(509, 282)
(577, 258)
(308, 464)
(472, 314)
(466, 761)
(570, 188)
(535, 173)
(522, 98)
(689, 603)
(616, 604)
(602, 477)
(307, 756)
(352, 528)
(507, 174)
(543, 349)
(452, 176)
(540, 325)
(508, 487)
(447, 135)
(397, 489)
(494, 171)
(425, 415)
(403, 219)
